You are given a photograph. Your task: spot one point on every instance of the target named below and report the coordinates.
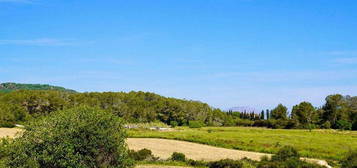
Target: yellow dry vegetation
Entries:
(10, 132)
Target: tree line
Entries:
(338, 112)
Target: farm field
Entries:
(194, 151)
(197, 151)
(324, 144)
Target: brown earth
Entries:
(9, 132)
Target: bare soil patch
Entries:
(10, 132)
(163, 148)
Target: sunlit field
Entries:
(325, 144)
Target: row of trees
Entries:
(338, 112)
(19, 106)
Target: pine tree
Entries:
(268, 114)
(262, 115)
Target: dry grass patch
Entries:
(163, 148)
(10, 132)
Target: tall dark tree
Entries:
(262, 115)
(268, 114)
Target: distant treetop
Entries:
(8, 87)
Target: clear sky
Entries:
(227, 53)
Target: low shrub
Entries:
(10, 114)
(4, 150)
(226, 163)
(141, 155)
(350, 161)
(285, 153)
(173, 124)
(354, 125)
(196, 124)
(343, 125)
(290, 163)
(178, 157)
(287, 157)
(326, 125)
(290, 124)
(260, 123)
(78, 137)
(196, 163)
(244, 122)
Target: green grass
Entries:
(324, 144)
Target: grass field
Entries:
(325, 144)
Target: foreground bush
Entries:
(79, 137)
(178, 157)
(141, 155)
(343, 125)
(285, 153)
(9, 114)
(287, 157)
(350, 161)
(226, 163)
(196, 124)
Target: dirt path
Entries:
(9, 132)
(163, 148)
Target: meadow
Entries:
(323, 144)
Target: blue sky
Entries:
(227, 53)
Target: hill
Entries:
(8, 87)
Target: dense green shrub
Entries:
(354, 126)
(196, 124)
(78, 137)
(326, 125)
(343, 125)
(10, 114)
(226, 163)
(287, 157)
(350, 161)
(290, 163)
(143, 154)
(260, 123)
(4, 150)
(290, 124)
(286, 152)
(244, 122)
(176, 156)
(197, 163)
(173, 124)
